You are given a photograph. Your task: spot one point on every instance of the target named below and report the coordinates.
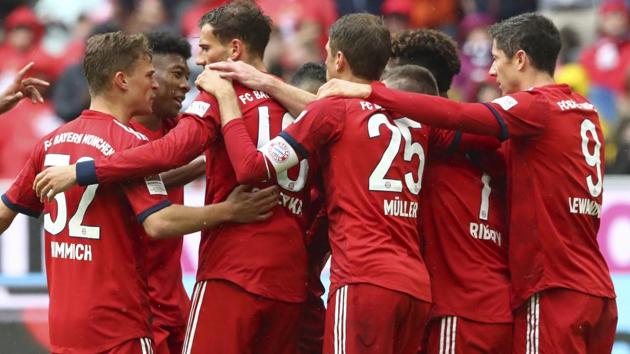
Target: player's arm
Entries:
(241, 206)
(181, 176)
(6, 217)
(187, 140)
(290, 97)
(435, 111)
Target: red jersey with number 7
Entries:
(556, 170)
(372, 171)
(94, 254)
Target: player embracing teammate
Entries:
(372, 150)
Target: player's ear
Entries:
(340, 61)
(121, 80)
(520, 59)
(237, 49)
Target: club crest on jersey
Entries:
(278, 151)
(198, 108)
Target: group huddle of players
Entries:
(451, 227)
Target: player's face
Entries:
(331, 68)
(142, 87)
(171, 73)
(504, 70)
(211, 50)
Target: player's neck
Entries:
(536, 79)
(352, 78)
(108, 106)
(257, 63)
(151, 122)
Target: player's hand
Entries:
(21, 88)
(253, 206)
(244, 73)
(54, 180)
(210, 81)
(336, 87)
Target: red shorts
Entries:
(226, 319)
(368, 319)
(311, 325)
(455, 335)
(133, 346)
(168, 339)
(565, 321)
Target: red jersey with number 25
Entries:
(94, 256)
(555, 158)
(372, 170)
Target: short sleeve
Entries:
(146, 196)
(205, 106)
(321, 123)
(21, 197)
(521, 114)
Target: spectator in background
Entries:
(440, 14)
(22, 45)
(71, 94)
(608, 60)
(189, 22)
(475, 54)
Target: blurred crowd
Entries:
(595, 59)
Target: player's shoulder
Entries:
(202, 104)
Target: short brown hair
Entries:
(412, 78)
(109, 53)
(364, 41)
(243, 20)
(431, 49)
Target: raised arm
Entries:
(290, 97)
(439, 112)
(21, 88)
(187, 140)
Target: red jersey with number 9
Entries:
(372, 171)
(555, 158)
(94, 254)
(266, 258)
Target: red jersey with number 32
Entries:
(265, 258)
(372, 170)
(94, 256)
(555, 158)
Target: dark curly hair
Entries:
(431, 49)
(162, 42)
(240, 19)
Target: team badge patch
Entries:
(506, 102)
(278, 151)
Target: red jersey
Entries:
(94, 256)
(169, 302)
(464, 232)
(372, 169)
(266, 258)
(555, 137)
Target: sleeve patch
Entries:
(506, 102)
(280, 154)
(155, 185)
(198, 108)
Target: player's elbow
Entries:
(157, 227)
